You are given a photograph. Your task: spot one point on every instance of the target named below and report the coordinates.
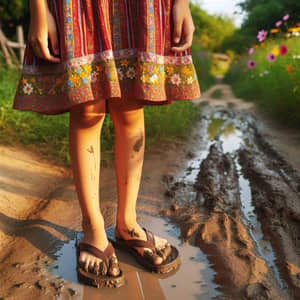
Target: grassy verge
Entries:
(203, 62)
(48, 135)
(275, 87)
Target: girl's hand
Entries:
(42, 25)
(183, 25)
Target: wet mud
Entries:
(238, 200)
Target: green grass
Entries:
(219, 67)
(169, 122)
(48, 134)
(203, 64)
(274, 89)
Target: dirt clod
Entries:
(38, 285)
(174, 207)
(72, 292)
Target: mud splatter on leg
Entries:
(139, 143)
(93, 162)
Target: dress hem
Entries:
(146, 102)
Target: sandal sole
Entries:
(172, 263)
(96, 280)
(99, 282)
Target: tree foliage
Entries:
(210, 30)
(261, 14)
(13, 13)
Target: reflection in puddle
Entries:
(193, 280)
(225, 131)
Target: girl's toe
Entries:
(158, 260)
(114, 269)
(97, 267)
(86, 265)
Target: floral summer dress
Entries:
(108, 49)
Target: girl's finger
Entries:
(178, 22)
(36, 49)
(177, 31)
(52, 33)
(47, 55)
(43, 52)
(54, 42)
(187, 38)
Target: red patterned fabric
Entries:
(108, 49)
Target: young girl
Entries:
(92, 57)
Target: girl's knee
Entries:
(88, 114)
(126, 113)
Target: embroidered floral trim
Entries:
(114, 71)
(117, 55)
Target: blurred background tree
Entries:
(210, 30)
(13, 13)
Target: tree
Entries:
(265, 13)
(261, 14)
(210, 30)
(13, 13)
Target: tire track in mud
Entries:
(239, 201)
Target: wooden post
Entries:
(7, 47)
(4, 49)
(20, 36)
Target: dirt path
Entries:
(229, 199)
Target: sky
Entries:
(227, 7)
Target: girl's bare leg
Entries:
(128, 119)
(85, 126)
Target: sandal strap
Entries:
(137, 243)
(109, 250)
(104, 255)
(163, 253)
(150, 236)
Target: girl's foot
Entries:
(136, 232)
(91, 263)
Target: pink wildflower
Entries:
(278, 23)
(251, 51)
(262, 34)
(271, 57)
(251, 64)
(286, 17)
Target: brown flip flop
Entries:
(170, 254)
(104, 279)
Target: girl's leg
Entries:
(128, 119)
(85, 126)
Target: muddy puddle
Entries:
(238, 201)
(193, 280)
(234, 216)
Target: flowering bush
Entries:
(277, 49)
(269, 73)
